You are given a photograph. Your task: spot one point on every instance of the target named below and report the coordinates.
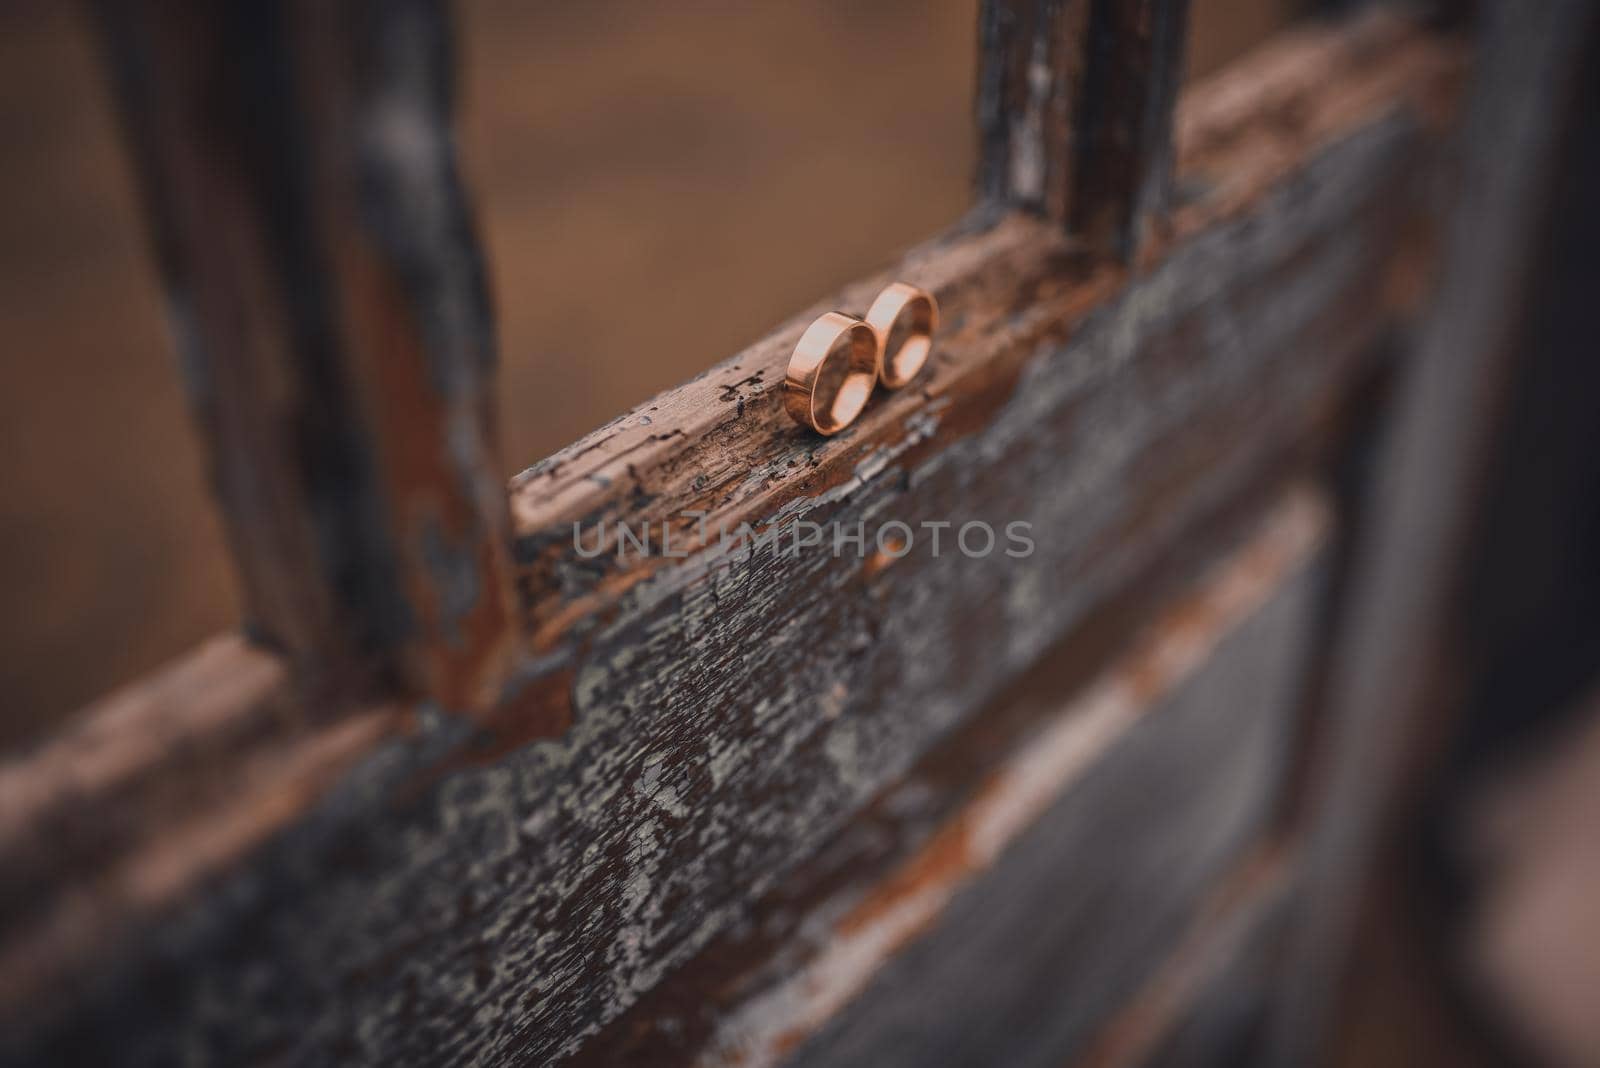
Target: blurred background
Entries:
(617, 150)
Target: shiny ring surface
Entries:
(904, 318)
(832, 372)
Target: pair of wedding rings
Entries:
(840, 358)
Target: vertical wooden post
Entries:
(1030, 74)
(1124, 121)
(1074, 105)
(329, 300)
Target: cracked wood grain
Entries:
(952, 821)
(1053, 895)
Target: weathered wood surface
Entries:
(472, 893)
(1047, 902)
(1416, 522)
(328, 297)
(764, 984)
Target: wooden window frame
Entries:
(443, 728)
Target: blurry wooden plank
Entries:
(327, 293)
(1046, 904)
(156, 788)
(1520, 770)
(1487, 941)
(1415, 526)
(1526, 646)
(1075, 103)
(694, 725)
(1206, 1003)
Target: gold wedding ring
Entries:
(832, 372)
(904, 318)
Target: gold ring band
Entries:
(904, 318)
(832, 372)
